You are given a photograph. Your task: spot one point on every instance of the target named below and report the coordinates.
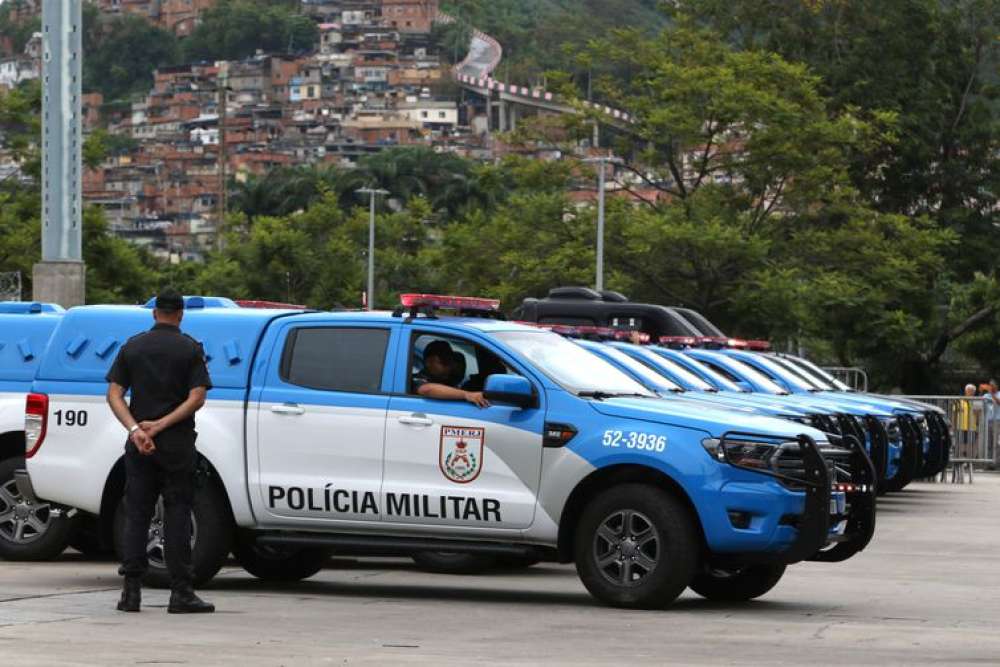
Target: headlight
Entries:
(748, 452)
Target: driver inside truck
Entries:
(441, 376)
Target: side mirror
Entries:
(510, 390)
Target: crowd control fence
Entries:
(975, 427)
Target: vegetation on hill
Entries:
(235, 29)
(539, 36)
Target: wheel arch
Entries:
(607, 477)
(11, 445)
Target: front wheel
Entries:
(211, 537)
(28, 531)
(636, 547)
(276, 563)
(737, 584)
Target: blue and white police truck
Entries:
(28, 530)
(314, 440)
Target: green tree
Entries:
(117, 272)
(235, 29)
(105, 42)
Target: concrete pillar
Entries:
(62, 282)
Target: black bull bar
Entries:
(814, 524)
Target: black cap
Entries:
(169, 300)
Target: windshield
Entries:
(768, 367)
(676, 371)
(750, 374)
(639, 369)
(569, 365)
(710, 375)
(802, 373)
(820, 372)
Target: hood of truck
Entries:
(712, 420)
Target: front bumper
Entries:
(837, 516)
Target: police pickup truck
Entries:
(314, 440)
(28, 530)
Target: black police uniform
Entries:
(161, 366)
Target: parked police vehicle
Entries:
(27, 530)
(583, 306)
(906, 439)
(313, 439)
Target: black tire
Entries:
(636, 547)
(28, 531)
(213, 537)
(897, 483)
(280, 563)
(738, 584)
(447, 562)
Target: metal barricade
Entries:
(975, 428)
(854, 377)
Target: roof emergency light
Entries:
(632, 336)
(445, 301)
(469, 306)
(678, 342)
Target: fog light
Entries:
(739, 519)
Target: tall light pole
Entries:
(600, 162)
(61, 275)
(372, 193)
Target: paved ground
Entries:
(927, 591)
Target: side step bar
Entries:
(378, 545)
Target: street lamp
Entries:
(601, 161)
(372, 192)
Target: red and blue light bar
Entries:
(447, 301)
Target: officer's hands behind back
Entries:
(143, 441)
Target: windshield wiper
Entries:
(602, 395)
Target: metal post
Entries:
(59, 277)
(601, 162)
(371, 251)
(600, 227)
(371, 192)
(222, 83)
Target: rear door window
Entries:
(335, 358)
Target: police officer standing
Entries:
(166, 372)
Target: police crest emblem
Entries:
(461, 452)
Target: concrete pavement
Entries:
(926, 591)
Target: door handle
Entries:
(416, 420)
(287, 409)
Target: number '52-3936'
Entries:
(635, 440)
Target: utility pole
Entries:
(600, 162)
(222, 83)
(372, 193)
(60, 276)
